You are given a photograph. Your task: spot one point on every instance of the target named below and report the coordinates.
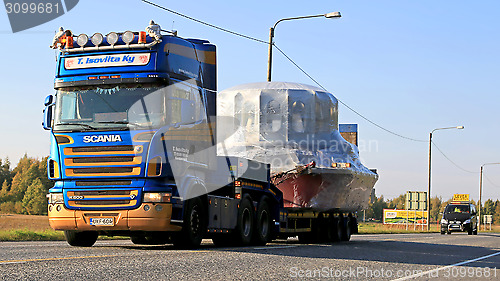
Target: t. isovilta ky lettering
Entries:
(102, 138)
(89, 60)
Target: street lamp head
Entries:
(333, 15)
(460, 127)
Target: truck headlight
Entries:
(467, 221)
(443, 221)
(55, 198)
(157, 197)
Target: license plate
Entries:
(102, 221)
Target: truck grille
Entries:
(103, 161)
(102, 198)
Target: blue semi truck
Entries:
(132, 128)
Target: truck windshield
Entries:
(451, 209)
(121, 107)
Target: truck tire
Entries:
(81, 238)
(346, 231)
(263, 224)
(245, 222)
(194, 226)
(338, 231)
(354, 225)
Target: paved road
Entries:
(365, 257)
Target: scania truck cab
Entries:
(133, 146)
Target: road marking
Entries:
(275, 247)
(445, 267)
(55, 259)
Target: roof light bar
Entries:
(82, 40)
(97, 39)
(112, 38)
(128, 37)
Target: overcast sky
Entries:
(409, 66)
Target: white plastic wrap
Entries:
(289, 125)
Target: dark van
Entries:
(459, 217)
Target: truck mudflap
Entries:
(148, 217)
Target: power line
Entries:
(452, 162)
(343, 103)
(205, 23)
(286, 56)
(488, 179)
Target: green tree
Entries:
(4, 192)
(5, 172)
(34, 201)
(26, 172)
(397, 203)
(496, 215)
(376, 209)
(488, 208)
(436, 208)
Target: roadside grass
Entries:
(380, 228)
(14, 227)
(30, 235)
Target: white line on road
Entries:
(445, 267)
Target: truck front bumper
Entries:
(148, 217)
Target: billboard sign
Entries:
(392, 216)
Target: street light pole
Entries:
(429, 184)
(271, 36)
(481, 193)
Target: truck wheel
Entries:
(442, 232)
(338, 226)
(264, 224)
(194, 226)
(469, 232)
(81, 238)
(346, 231)
(244, 225)
(354, 225)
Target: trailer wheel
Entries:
(194, 226)
(245, 224)
(338, 226)
(346, 231)
(264, 224)
(81, 238)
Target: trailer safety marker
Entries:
(445, 267)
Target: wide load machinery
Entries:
(135, 152)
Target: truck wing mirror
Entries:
(48, 100)
(47, 112)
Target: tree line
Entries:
(377, 204)
(24, 188)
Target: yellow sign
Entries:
(461, 197)
(404, 216)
